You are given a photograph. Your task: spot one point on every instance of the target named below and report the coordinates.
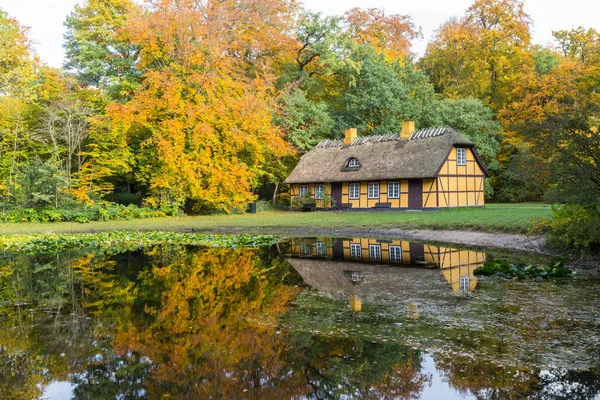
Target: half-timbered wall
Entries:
(458, 185)
(295, 192)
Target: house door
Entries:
(336, 193)
(415, 193)
(417, 253)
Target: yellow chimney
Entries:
(408, 127)
(355, 303)
(351, 134)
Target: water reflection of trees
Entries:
(203, 323)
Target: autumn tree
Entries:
(17, 94)
(391, 35)
(481, 53)
(201, 120)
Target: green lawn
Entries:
(494, 217)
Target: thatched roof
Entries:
(378, 281)
(381, 157)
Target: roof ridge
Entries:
(431, 132)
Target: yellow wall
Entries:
(295, 192)
(460, 185)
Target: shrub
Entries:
(263, 205)
(575, 227)
(98, 212)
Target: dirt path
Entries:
(468, 238)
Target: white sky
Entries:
(46, 17)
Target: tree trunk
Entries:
(275, 193)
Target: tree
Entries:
(202, 119)
(390, 35)
(378, 94)
(579, 43)
(304, 123)
(481, 53)
(17, 94)
(98, 48)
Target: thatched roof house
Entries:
(366, 172)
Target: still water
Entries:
(308, 318)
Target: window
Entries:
(373, 190)
(464, 284)
(395, 253)
(461, 156)
(354, 191)
(305, 249)
(319, 192)
(355, 251)
(375, 252)
(393, 190)
(303, 190)
(353, 163)
(321, 249)
(356, 276)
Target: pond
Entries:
(304, 318)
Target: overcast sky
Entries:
(46, 17)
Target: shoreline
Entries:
(507, 241)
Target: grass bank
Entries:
(515, 218)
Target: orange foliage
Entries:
(389, 34)
(214, 332)
(203, 113)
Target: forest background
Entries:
(205, 106)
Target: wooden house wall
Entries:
(460, 185)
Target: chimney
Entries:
(351, 134)
(408, 127)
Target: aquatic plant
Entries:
(555, 269)
(120, 241)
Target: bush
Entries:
(99, 212)
(264, 205)
(575, 227)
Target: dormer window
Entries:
(353, 163)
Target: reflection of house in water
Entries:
(359, 255)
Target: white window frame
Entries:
(305, 249)
(353, 163)
(375, 252)
(393, 190)
(304, 190)
(355, 251)
(319, 192)
(356, 194)
(395, 253)
(321, 249)
(374, 193)
(461, 156)
(465, 284)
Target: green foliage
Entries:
(304, 123)
(575, 227)
(97, 50)
(522, 271)
(476, 122)
(37, 184)
(83, 214)
(299, 201)
(544, 59)
(517, 181)
(379, 94)
(263, 205)
(119, 241)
